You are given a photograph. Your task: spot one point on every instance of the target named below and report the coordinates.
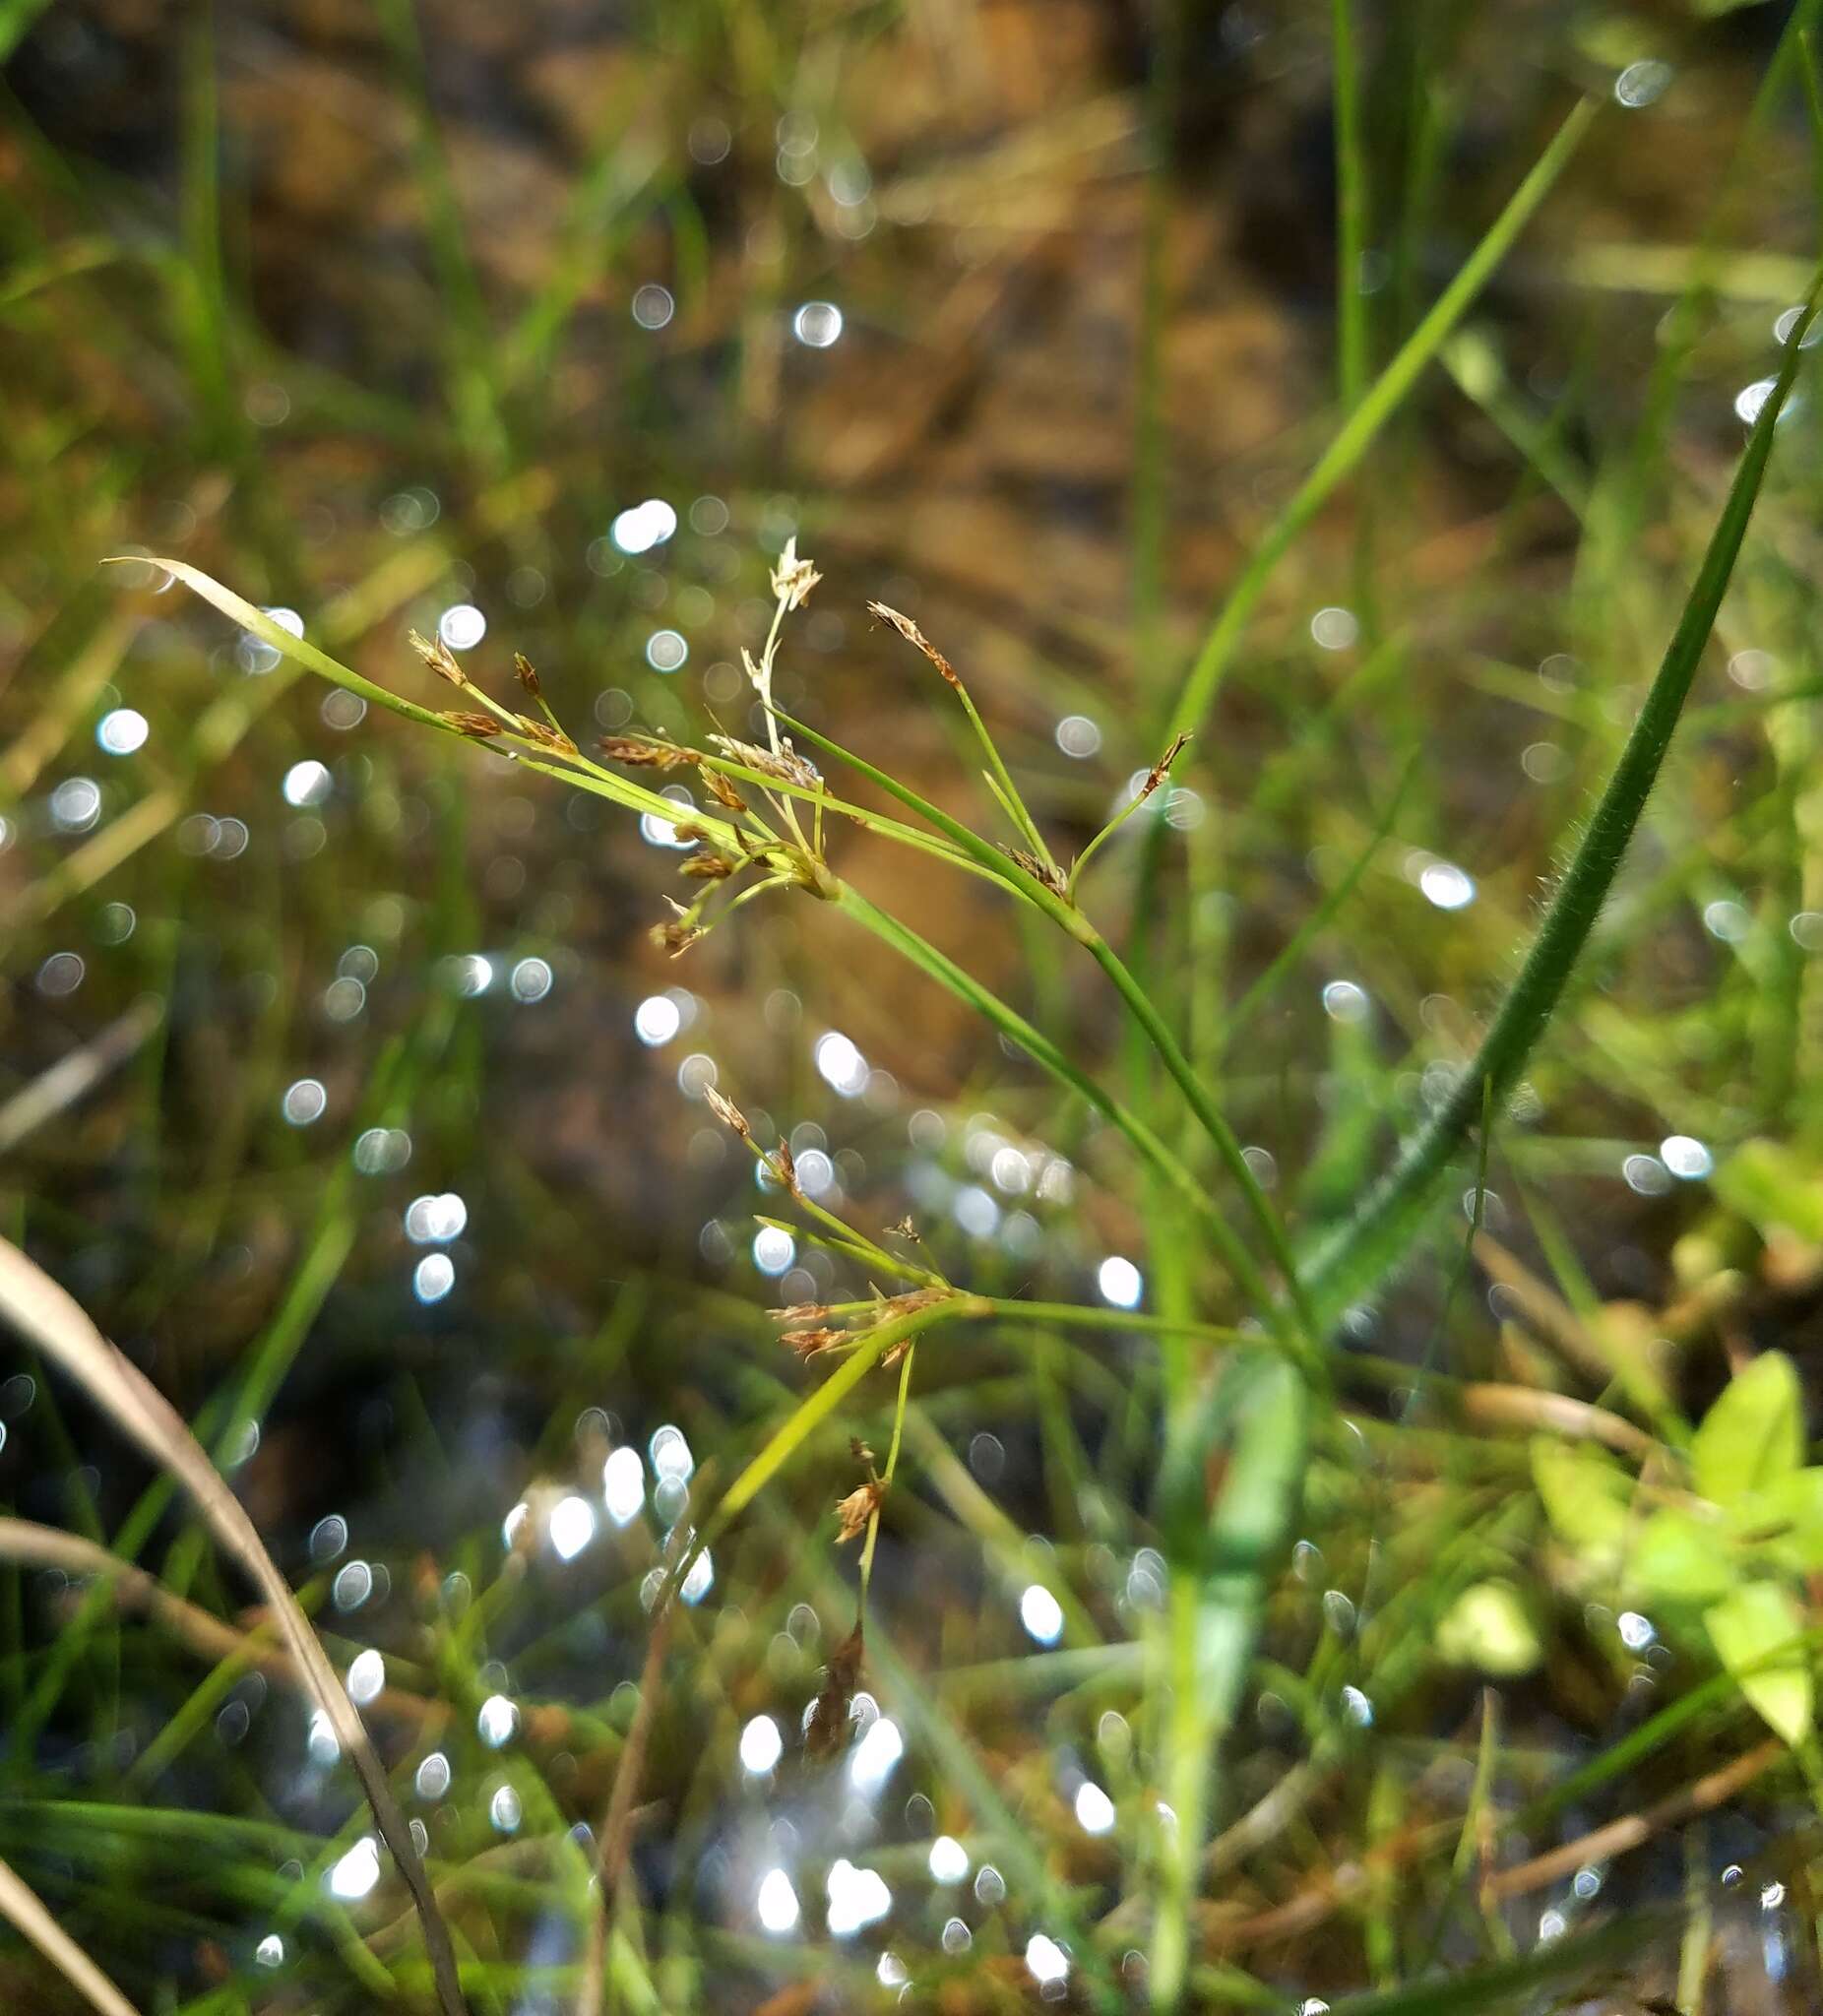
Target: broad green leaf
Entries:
(1585, 1493)
(1757, 1633)
(1678, 1557)
(1488, 1627)
(1785, 1522)
(1753, 1436)
(1773, 1189)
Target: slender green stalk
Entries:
(1000, 779)
(807, 1418)
(577, 771)
(1356, 433)
(1042, 1051)
(891, 1465)
(1080, 867)
(1139, 1004)
(1381, 1231)
(1351, 211)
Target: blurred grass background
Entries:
(1021, 316)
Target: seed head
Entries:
(1039, 872)
(829, 1719)
(793, 578)
(787, 765)
(481, 727)
(857, 1509)
(678, 937)
(707, 865)
(438, 657)
(910, 631)
(639, 753)
(727, 1112)
(546, 736)
(810, 1343)
(803, 1312)
(1160, 770)
(527, 674)
(722, 792)
(785, 1168)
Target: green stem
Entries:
(891, 1463)
(1146, 1017)
(1046, 1053)
(1351, 212)
(1376, 406)
(1379, 1232)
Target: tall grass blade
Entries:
(1378, 1235)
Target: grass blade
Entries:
(1381, 1231)
(21, 1902)
(34, 1304)
(1357, 433)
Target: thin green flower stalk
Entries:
(1018, 876)
(791, 863)
(1356, 436)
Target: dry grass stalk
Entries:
(24, 1542)
(41, 1312)
(70, 1078)
(21, 1904)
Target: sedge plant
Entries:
(1240, 1392)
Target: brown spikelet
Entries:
(905, 1229)
(910, 631)
(857, 1509)
(706, 865)
(527, 674)
(829, 1719)
(727, 1112)
(639, 752)
(481, 727)
(1160, 770)
(678, 937)
(722, 792)
(1039, 872)
(808, 1344)
(914, 1300)
(546, 736)
(437, 655)
(785, 1168)
(803, 1312)
(787, 765)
